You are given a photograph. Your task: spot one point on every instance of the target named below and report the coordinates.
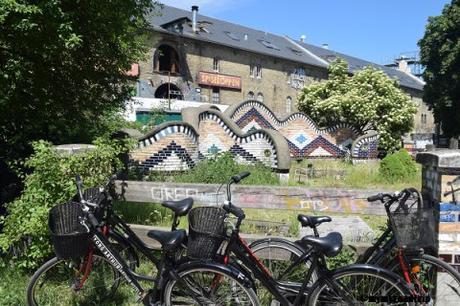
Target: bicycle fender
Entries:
(372, 269)
(265, 240)
(230, 269)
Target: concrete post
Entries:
(439, 167)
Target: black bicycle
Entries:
(402, 248)
(89, 268)
(352, 285)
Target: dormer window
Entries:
(268, 44)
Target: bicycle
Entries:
(77, 235)
(352, 284)
(418, 268)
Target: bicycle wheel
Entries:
(58, 282)
(433, 278)
(209, 286)
(363, 285)
(280, 257)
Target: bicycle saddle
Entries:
(181, 207)
(169, 240)
(312, 221)
(330, 245)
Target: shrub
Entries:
(219, 169)
(52, 181)
(398, 166)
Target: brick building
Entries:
(203, 59)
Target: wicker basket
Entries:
(413, 225)
(206, 232)
(70, 239)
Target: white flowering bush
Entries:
(367, 100)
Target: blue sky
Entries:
(370, 29)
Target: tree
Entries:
(63, 66)
(367, 100)
(440, 54)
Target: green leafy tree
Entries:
(367, 100)
(440, 54)
(63, 66)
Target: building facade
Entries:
(202, 59)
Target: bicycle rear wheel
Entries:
(433, 278)
(360, 286)
(59, 282)
(208, 286)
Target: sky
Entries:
(375, 30)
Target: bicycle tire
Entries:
(444, 290)
(60, 280)
(355, 280)
(207, 275)
(273, 250)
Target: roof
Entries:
(233, 35)
(354, 63)
(244, 38)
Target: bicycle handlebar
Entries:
(229, 207)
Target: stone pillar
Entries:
(439, 167)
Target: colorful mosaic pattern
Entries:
(304, 137)
(366, 147)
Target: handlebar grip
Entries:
(377, 197)
(238, 212)
(237, 178)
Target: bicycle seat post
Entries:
(175, 222)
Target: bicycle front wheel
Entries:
(208, 286)
(60, 282)
(360, 286)
(433, 278)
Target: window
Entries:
(166, 59)
(288, 104)
(251, 95)
(255, 71)
(260, 97)
(423, 119)
(269, 44)
(232, 35)
(215, 64)
(215, 95)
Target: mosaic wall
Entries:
(170, 147)
(179, 146)
(304, 137)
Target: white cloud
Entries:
(205, 6)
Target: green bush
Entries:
(51, 182)
(398, 166)
(219, 169)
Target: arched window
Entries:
(260, 97)
(168, 91)
(288, 104)
(166, 59)
(251, 95)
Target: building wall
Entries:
(275, 83)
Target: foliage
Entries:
(220, 169)
(440, 54)
(368, 100)
(359, 175)
(51, 182)
(398, 166)
(63, 66)
(346, 257)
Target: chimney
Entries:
(325, 46)
(194, 21)
(302, 38)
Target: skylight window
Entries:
(268, 44)
(232, 35)
(295, 51)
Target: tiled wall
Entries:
(304, 137)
